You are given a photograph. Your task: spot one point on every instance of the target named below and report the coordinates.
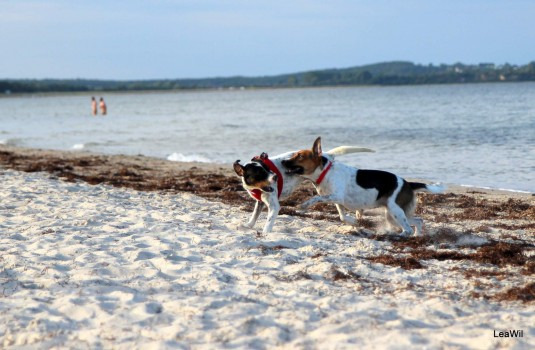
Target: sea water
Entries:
(470, 134)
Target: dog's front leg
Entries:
(256, 213)
(319, 199)
(273, 211)
(344, 217)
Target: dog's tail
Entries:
(338, 151)
(434, 188)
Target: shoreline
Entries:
(103, 251)
(203, 167)
(485, 209)
(234, 83)
(251, 89)
(499, 190)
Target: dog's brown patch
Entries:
(307, 160)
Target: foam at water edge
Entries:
(179, 157)
(494, 188)
(78, 146)
(10, 142)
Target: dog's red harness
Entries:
(256, 193)
(323, 173)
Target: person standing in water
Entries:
(103, 108)
(93, 105)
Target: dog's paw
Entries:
(350, 221)
(246, 226)
(266, 230)
(406, 234)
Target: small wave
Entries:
(496, 189)
(10, 142)
(179, 157)
(517, 191)
(231, 126)
(88, 145)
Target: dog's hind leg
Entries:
(359, 213)
(391, 223)
(344, 217)
(399, 216)
(256, 213)
(413, 221)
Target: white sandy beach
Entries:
(95, 267)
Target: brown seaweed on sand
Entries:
(406, 262)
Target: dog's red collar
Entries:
(323, 173)
(256, 193)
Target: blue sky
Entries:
(137, 39)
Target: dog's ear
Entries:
(267, 189)
(316, 148)
(238, 168)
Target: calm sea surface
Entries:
(480, 134)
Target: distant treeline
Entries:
(389, 73)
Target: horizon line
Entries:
(269, 75)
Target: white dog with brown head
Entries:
(356, 189)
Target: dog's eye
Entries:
(300, 157)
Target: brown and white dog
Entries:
(267, 181)
(356, 189)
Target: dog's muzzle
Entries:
(292, 169)
(295, 171)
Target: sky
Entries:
(171, 39)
